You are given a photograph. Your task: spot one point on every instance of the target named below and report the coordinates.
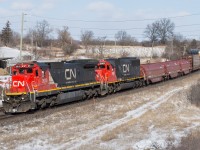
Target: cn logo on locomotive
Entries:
(18, 83)
(70, 73)
(126, 68)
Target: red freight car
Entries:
(186, 66)
(154, 72)
(172, 68)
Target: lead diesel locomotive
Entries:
(36, 85)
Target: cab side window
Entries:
(108, 67)
(29, 70)
(36, 73)
(14, 72)
(22, 71)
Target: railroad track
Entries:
(4, 116)
(1, 109)
(7, 119)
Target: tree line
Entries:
(160, 32)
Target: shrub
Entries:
(69, 49)
(194, 94)
(190, 142)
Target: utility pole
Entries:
(21, 39)
(172, 48)
(184, 50)
(32, 44)
(152, 45)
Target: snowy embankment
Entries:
(152, 118)
(3, 80)
(14, 53)
(117, 51)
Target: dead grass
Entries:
(70, 124)
(194, 94)
(190, 142)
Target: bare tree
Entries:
(86, 38)
(15, 38)
(165, 30)
(41, 32)
(160, 30)
(193, 44)
(65, 41)
(175, 49)
(124, 38)
(64, 36)
(151, 32)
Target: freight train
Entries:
(37, 85)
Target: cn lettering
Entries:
(126, 68)
(70, 73)
(18, 83)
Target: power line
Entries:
(9, 16)
(10, 22)
(104, 21)
(188, 25)
(117, 29)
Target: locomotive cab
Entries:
(27, 80)
(105, 72)
(27, 77)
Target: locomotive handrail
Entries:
(7, 87)
(28, 87)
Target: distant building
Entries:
(194, 51)
(3, 62)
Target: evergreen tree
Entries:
(6, 34)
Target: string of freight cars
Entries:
(37, 85)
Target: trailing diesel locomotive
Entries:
(36, 85)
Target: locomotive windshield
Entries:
(23, 71)
(101, 66)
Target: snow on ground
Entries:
(3, 80)
(149, 119)
(136, 113)
(12, 52)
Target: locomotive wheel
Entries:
(110, 89)
(43, 105)
(89, 94)
(95, 92)
(141, 83)
(52, 103)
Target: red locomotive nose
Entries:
(18, 83)
(98, 75)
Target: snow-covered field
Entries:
(117, 51)
(12, 52)
(149, 119)
(108, 51)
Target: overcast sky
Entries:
(104, 18)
